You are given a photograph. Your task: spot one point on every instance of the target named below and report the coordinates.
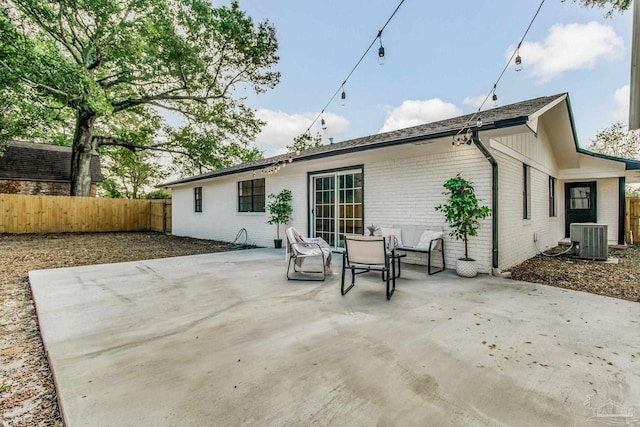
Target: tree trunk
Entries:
(81, 154)
(466, 251)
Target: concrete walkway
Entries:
(224, 339)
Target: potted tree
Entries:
(280, 211)
(462, 212)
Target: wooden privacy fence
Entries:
(61, 214)
(632, 220)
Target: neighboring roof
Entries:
(501, 117)
(30, 161)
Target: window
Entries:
(552, 196)
(197, 199)
(580, 198)
(251, 195)
(526, 192)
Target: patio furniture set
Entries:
(364, 254)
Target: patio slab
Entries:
(225, 339)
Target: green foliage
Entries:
(83, 65)
(158, 194)
(305, 141)
(129, 173)
(108, 188)
(462, 210)
(615, 5)
(280, 209)
(617, 141)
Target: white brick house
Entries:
(524, 162)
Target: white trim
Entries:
(532, 124)
(524, 159)
(582, 175)
(547, 107)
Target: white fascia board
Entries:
(534, 117)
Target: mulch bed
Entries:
(620, 280)
(27, 392)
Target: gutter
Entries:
(494, 196)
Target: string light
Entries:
(518, 60)
(380, 49)
(343, 95)
(275, 167)
(492, 93)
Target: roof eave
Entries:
(500, 124)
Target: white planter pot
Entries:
(467, 268)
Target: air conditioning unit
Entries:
(589, 240)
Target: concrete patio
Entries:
(225, 339)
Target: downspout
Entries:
(494, 195)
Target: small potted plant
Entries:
(462, 212)
(280, 211)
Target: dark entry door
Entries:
(580, 203)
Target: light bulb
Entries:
(518, 63)
(479, 122)
(381, 55)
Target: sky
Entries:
(441, 61)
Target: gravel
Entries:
(27, 391)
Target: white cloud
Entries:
(282, 127)
(475, 101)
(413, 113)
(570, 47)
(622, 97)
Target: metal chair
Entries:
(300, 248)
(368, 253)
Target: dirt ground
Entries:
(620, 280)
(27, 392)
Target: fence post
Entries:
(164, 216)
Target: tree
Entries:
(462, 211)
(100, 60)
(129, 173)
(305, 141)
(615, 5)
(617, 141)
(280, 209)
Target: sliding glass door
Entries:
(337, 205)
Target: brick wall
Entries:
(401, 185)
(36, 188)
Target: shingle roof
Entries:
(30, 161)
(508, 115)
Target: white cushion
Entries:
(386, 232)
(427, 237)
